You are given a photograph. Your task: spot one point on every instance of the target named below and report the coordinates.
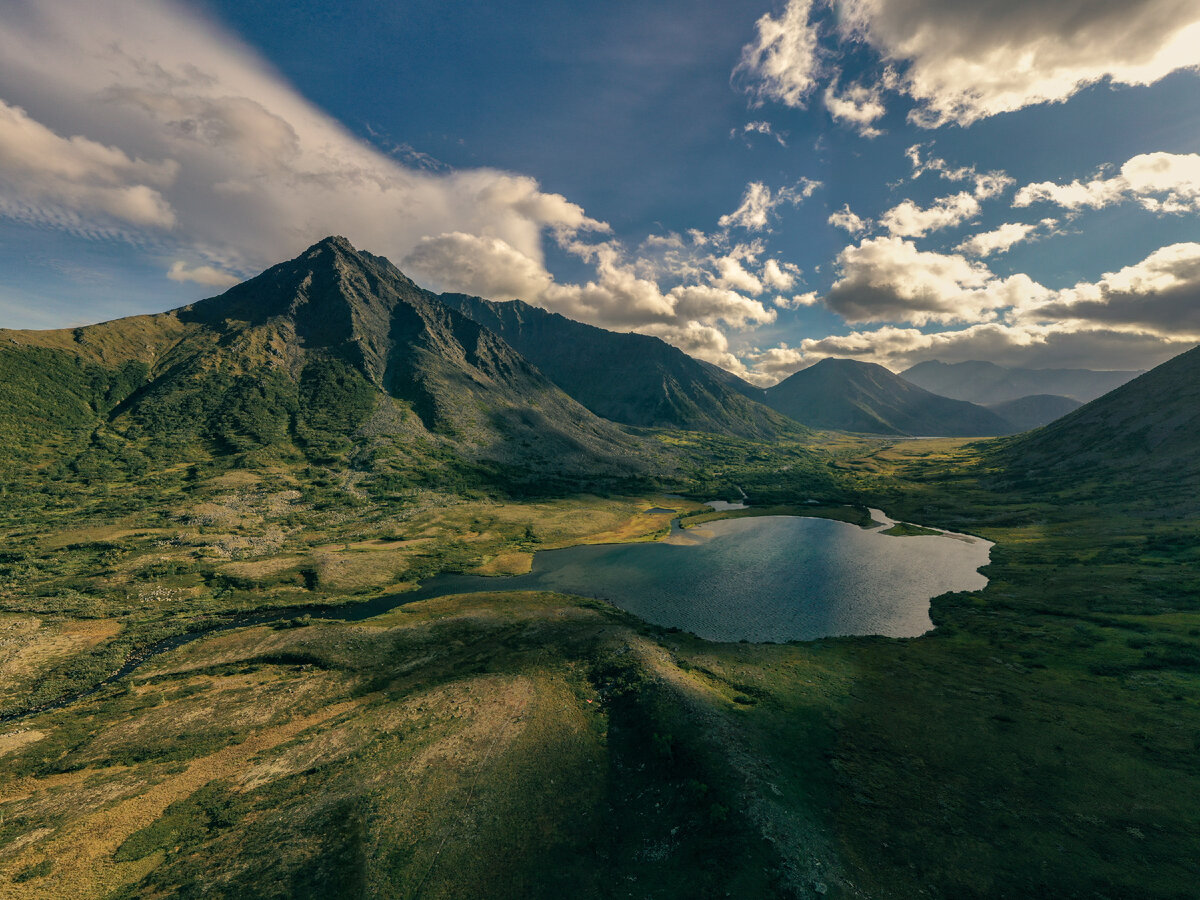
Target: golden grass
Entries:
(30, 646)
(514, 563)
(82, 852)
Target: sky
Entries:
(762, 183)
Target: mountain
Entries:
(848, 395)
(1142, 439)
(335, 353)
(1033, 411)
(985, 382)
(629, 378)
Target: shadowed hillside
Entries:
(1142, 439)
(1034, 411)
(629, 378)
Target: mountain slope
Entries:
(985, 382)
(1143, 437)
(629, 378)
(1034, 411)
(335, 352)
(848, 395)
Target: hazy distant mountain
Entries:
(985, 382)
(332, 352)
(1034, 411)
(848, 395)
(629, 378)
(1141, 439)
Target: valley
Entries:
(331, 435)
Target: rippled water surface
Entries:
(770, 578)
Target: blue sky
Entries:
(760, 183)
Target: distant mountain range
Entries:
(848, 395)
(628, 378)
(988, 383)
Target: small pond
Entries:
(767, 578)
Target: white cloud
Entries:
(857, 106)
(848, 221)
(177, 131)
(691, 316)
(783, 61)
(754, 212)
(886, 279)
(732, 274)
(777, 277)
(482, 266)
(986, 184)
(210, 275)
(808, 298)
(966, 61)
(1160, 295)
(1032, 346)
(909, 220)
(763, 128)
(45, 173)
(998, 240)
(1160, 182)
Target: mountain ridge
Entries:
(630, 378)
(978, 381)
(850, 395)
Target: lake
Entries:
(767, 578)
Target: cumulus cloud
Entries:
(1160, 294)
(482, 266)
(758, 202)
(858, 106)
(998, 240)
(732, 274)
(779, 277)
(209, 275)
(909, 220)
(887, 279)
(848, 221)
(693, 317)
(1160, 182)
(1032, 346)
(783, 61)
(966, 61)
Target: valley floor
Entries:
(1042, 741)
